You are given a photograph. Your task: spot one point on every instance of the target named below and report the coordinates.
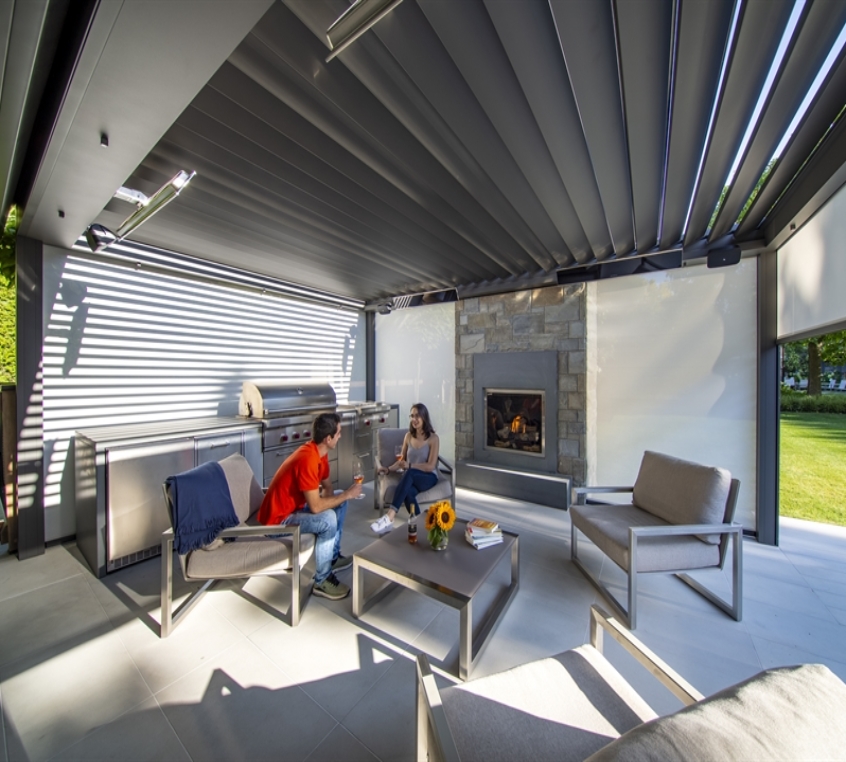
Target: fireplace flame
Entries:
(518, 425)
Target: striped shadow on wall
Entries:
(127, 346)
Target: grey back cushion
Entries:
(387, 440)
(243, 487)
(790, 713)
(681, 492)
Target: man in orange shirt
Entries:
(301, 493)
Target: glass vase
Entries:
(440, 541)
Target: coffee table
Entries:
(452, 576)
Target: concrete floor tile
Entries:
(58, 696)
(334, 661)
(774, 654)
(340, 744)
(144, 729)
(20, 578)
(384, 721)
(65, 612)
(202, 635)
(240, 705)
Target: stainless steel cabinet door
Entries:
(212, 449)
(136, 510)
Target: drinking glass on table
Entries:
(358, 474)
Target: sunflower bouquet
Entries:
(440, 518)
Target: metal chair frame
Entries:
(170, 618)
(729, 531)
(431, 714)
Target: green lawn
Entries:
(812, 483)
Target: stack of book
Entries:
(481, 533)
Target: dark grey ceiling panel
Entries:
(703, 32)
(820, 178)
(587, 34)
(828, 104)
(534, 187)
(761, 26)
(528, 35)
(470, 144)
(434, 65)
(644, 29)
(822, 23)
(363, 124)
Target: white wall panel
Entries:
(672, 368)
(415, 362)
(812, 272)
(124, 346)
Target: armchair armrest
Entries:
(685, 529)
(601, 621)
(244, 531)
(432, 723)
(579, 494)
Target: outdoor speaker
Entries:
(724, 257)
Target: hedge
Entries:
(799, 402)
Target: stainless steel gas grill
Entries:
(286, 411)
(364, 418)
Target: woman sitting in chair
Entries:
(419, 462)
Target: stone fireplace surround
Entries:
(547, 327)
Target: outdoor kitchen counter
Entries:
(119, 471)
(104, 437)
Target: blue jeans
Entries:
(413, 482)
(327, 526)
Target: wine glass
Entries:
(398, 452)
(358, 474)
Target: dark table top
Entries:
(460, 568)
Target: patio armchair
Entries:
(577, 706)
(387, 441)
(238, 552)
(680, 519)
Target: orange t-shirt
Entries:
(302, 471)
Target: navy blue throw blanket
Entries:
(202, 506)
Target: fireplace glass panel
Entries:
(514, 421)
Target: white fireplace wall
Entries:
(671, 361)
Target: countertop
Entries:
(129, 434)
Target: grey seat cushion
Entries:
(562, 708)
(607, 526)
(247, 557)
(441, 491)
(792, 713)
(681, 492)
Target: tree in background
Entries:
(805, 358)
(8, 357)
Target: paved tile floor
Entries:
(84, 675)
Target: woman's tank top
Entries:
(418, 456)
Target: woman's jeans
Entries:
(327, 526)
(412, 483)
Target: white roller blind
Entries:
(672, 368)
(812, 273)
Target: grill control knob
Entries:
(367, 422)
(381, 420)
(296, 436)
(283, 438)
(306, 434)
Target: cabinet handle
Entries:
(224, 443)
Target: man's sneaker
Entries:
(331, 588)
(341, 562)
(380, 526)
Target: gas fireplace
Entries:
(514, 421)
